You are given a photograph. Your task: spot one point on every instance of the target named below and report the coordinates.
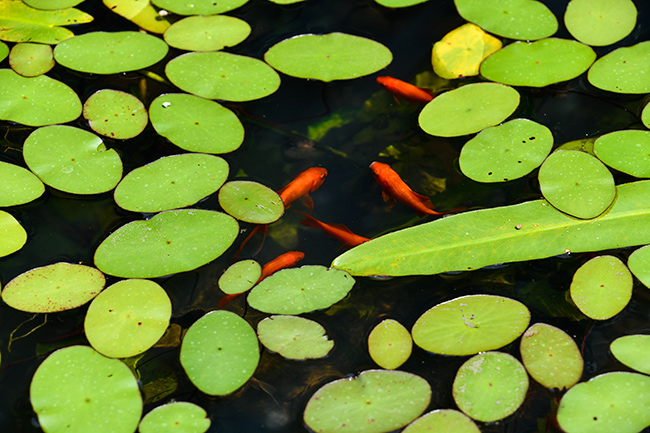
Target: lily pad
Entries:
(328, 57)
(470, 324)
(577, 183)
(207, 33)
(505, 152)
(468, 109)
(376, 401)
(176, 417)
(294, 337)
(443, 421)
(220, 352)
(300, 290)
(171, 182)
(193, 7)
(602, 287)
(78, 390)
(115, 114)
(490, 386)
(72, 160)
(12, 233)
(18, 185)
(251, 202)
(392, 3)
(639, 264)
(219, 75)
(4, 51)
(140, 12)
(127, 318)
(389, 344)
(624, 70)
(600, 22)
(538, 64)
(626, 151)
(52, 4)
(240, 277)
(632, 350)
(53, 288)
(31, 60)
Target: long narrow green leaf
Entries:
(531, 230)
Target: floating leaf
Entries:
(328, 57)
(645, 115)
(470, 324)
(141, 13)
(251, 202)
(4, 51)
(171, 182)
(639, 264)
(392, 3)
(600, 22)
(626, 151)
(176, 417)
(12, 233)
(577, 183)
(294, 337)
(240, 277)
(18, 185)
(220, 352)
(31, 60)
(376, 401)
(632, 350)
(602, 287)
(115, 114)
(52, 4)
(72, 160)
(192, 7)
(468, 109)
(207, 33)
(53, 288)
(623, 70)
(389, 344)
(443, 421)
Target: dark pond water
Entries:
(62, 227)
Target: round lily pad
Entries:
(52, 4)
(490, 386)
(171, 182)
(376, 401)
(632, 350)
(170, 242)
(127, 318)
(601, 287)
(300, 290)
(12, 233)
(624, 70)
(251, 202)
(645, 115)
(18, 185)
(611, 402)
(391, 3)
(505, 152)
(390, 344)
(240, 277)
(78, 390)
(577, 183)
(72, 160)
(219, 75)
(626, 151)
(176, 417)
(551, 356)
(110, 53)
(639, 264)
(193, 7)
(53, 288)
(31, 60)
(294, 337)
(328, 57)
(600, 22)
(4, 51)
(220, 352)
(207, 33)
(538, 64)
(468, 109)
(115, 114)
(443, 421)
(470, 324)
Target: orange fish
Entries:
(338, 231)
(405, 90)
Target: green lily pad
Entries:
(514, 19)
(577, 183)
(470, 324)
(219, 75)
(389, 344)
(191, 7)
(18, 185)
(645, 115)
(171, 182)
(36, 101)
(443, 421)
(78, 390)
(170, 242)
(328, 57)
(196, 124)
(176, 417)
(220, 352)
(632, 350)
(639, 264)
(624, 70)
(72, 160)
(602, 287)
(490, 386)
(207, 33)
(110, 53)
(468, 109)
(4, 51)
(551, 356)
(31, 60)
(294, 337)
(12, 233)
(376, 401)
(240, 277)
(626, 151)
(115, 114)
(609, 402)
(505, 152)
(251, 202)
(140, 12)
(300, 290)
(127, 318)
(600, 22)
(53, 288)
(538, 64)
(52, 4)
(395, 3)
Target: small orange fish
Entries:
(338, 231)
(300, 187)
(405, 90)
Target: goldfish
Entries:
(338, 231)
(405, 90)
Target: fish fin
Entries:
(307, 202)
(226, 299)
(388, 199)
(428, 91)
(260, 227)
(396, 98)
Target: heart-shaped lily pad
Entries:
(207, 33)
(294, 337)
(31, 60)
(193, 7)
(639, 264)
(115, 114)
(240, 277)
(624, 70)
(626, 151)
(443, 421)
(12, 233)
(390, 344)
(632, 350)
(251, 202)
(18, 185)
(600, 22)
(176, 417)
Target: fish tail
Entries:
(260, 227)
